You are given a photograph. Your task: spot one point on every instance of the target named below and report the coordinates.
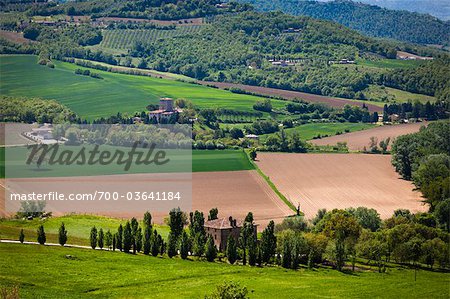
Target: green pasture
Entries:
(390, 63)
(78, 227)
(93, 98)
(392, 95)
(308, 131)
(57, 272)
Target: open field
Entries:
(119, 275)
(15, 37)
(288, 94)
(330, 181)
(378, 93)
(92, 98)
(356, 141)
(233, 193)
(311, 130)
(390, 63)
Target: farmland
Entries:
(356, 141)
(330, 181)
(118, 275)
(392, 95)
(125, 38)
(311, 130)
(288, 94)
(92, 98)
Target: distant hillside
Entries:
(437, 8)
(368, 19)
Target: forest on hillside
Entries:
(368, 19)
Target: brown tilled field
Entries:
(289, 94)
(234, 193)
(356, 141)
(330, 181)
(15, 37)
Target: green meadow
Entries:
(92, 98)
(78, 227)
(378, 93)
(202, 161)
(390, 63)
(58, 272)
(311, 130)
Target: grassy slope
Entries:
(376, 93)
(225, 160)
(78, 227)
(390, 63)
(308, 131)
(92, 98)
(42, 271)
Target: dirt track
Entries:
(356, 141)
(340, 181)
(288, 94)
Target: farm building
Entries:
(221, 229)
(165, 111)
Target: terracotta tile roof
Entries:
(222, 223)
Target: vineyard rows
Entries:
(125, 38)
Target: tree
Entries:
(247, 232)
(433, 250)
(127, 238)
(172, 245)
(213, 213)
(62, 235)
(147, 239)
(108, 239)
(176, 222)
(211, 250)
(101, 236)
(252, 252)
(156, 245)
(184, 245)
(41, 238)
(231, 250)
(21, 236)
(139, 240)
(147, 220)
(268, 242)
(367, 218)
(286, 258)
(119, 238)
(236, 133)
(342, 227)
(252, 153)
(229, 290)
(442, 213)
(93, 237)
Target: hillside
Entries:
(368, 19)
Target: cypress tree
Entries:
(62, 236)
(162, 245)
(231, 250)
(185, 245)
(119, 238)
(172, 245)
(211, 250)
(155, 243)
(101, 235)
(21, 236)
(268, 242)
(287, 254)
(139, 240)
(108, 239)
(252, 252)
(93, 237)
(127, 238)
(147, 240)
(114, 242)
(147, 220)
(41, 238)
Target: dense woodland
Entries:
(368, 19)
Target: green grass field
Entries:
(78, 227)
(390, 63)
(308, 131)
(202, 161)
(92, 98)
(378, 93)
(47, 272)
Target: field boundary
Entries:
(272, 185)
